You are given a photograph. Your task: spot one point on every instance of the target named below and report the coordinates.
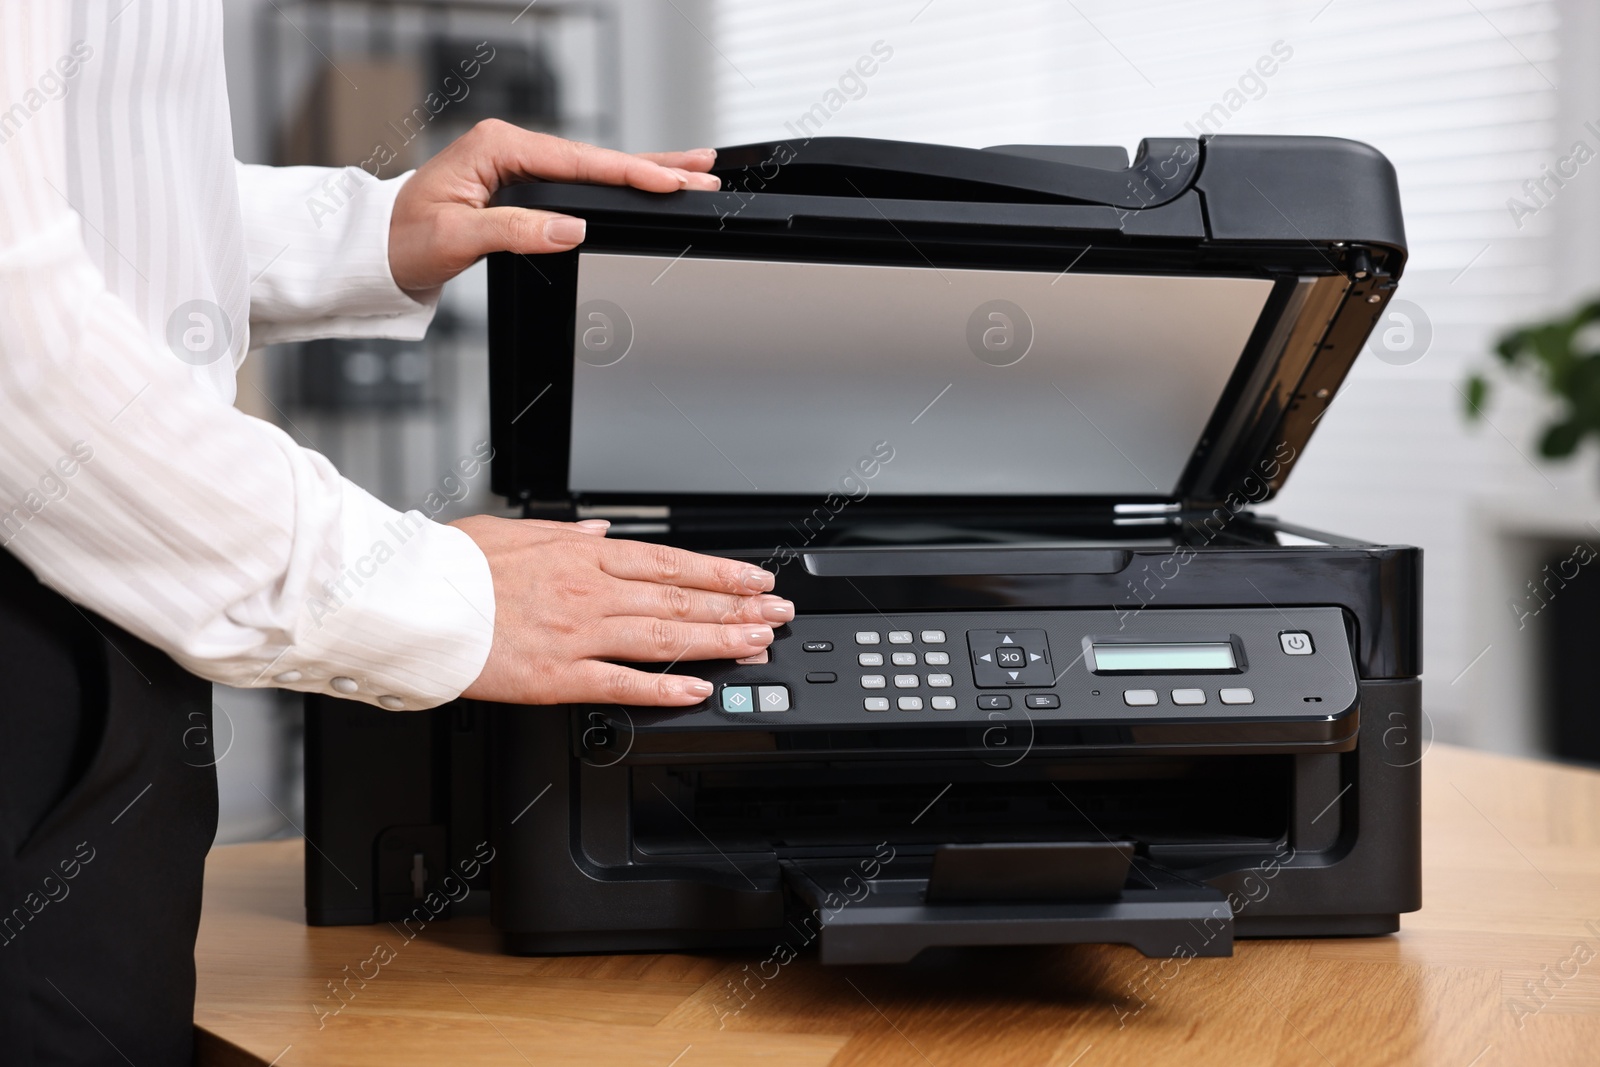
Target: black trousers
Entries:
(108, 804)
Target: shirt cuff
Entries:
(297, 297)
(406, 621)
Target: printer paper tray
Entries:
(892, 922)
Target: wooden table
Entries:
(1512, 892)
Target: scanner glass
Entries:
(698, 375)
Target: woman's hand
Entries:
(442, 221)
(567, 600)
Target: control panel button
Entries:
(1295, 643)
(817, 646)
(773, 697)
(905, 681)
(936, 659)
(1042, 700)
(870, 659)
(944, 703)
(1140, 698)
(1188, 697)
(994, 701)
(866, 637)
(910, 703)
(940, 681)
(904, 659)
(1011, 658)
(873, 681)
(821, 677)
(1237, 696)
(737, 698)
(933, 637)
(876, 704)
(899, 637)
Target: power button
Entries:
(1295, 643)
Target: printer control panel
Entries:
(1081, 666)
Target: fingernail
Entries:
(712, 152)
(760, 637)
(775, 609)
(597, 525)
(565, 230)
(758, 580)
(699, 689)
(683, 176)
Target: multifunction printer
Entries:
(1001, 422)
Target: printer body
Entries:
(1000, 421)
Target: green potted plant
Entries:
(1564, 354)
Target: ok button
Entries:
(1295, 643)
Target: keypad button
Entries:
(1010, 657)
(905, 681)
(1139, 698)
(866, 637)
(944, 703)
(288, 677)
(994, 701)
(870, 659)
(392, 703)
(1188, 697)
(821, 677)
(344, 685)
(899, 637)
(904, 659)
(773, 698)
(910, 703)
(817, 646)
(738, 698)
(1237, 696)
(1042, 700)
(873, 681)
(940, 681)
(876, 703)
(936, 659)
(933, 637)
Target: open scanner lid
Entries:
(913, 326)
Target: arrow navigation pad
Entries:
(1007, 658)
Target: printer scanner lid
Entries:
(920, 326)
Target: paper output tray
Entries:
(890, 920)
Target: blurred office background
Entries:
(1472, 100)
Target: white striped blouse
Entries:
(138, 264)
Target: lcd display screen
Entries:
(1185, 656)
(722, 376)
